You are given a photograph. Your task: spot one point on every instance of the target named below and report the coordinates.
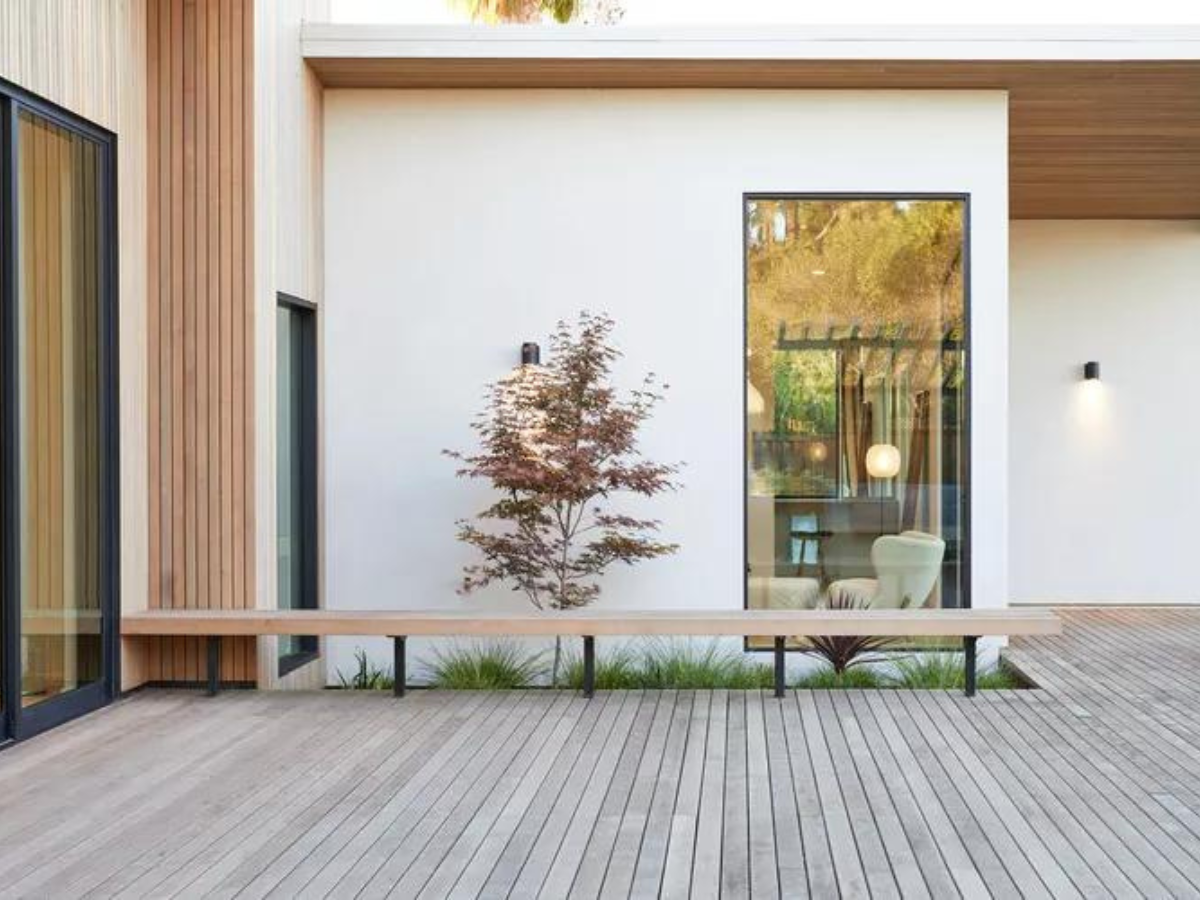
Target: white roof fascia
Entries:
(964, 43)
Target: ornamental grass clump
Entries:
(686, 666)
(616, 670)
(485, 666)
(945, 671)
(672, 665)
(827, 679)
(365, 676)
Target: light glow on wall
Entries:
(1090, 409)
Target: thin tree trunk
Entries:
(557, 661)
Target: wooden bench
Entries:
(967, 624)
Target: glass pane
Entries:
(4, 636)
(854, 402)
(58, 296)
(295, 349)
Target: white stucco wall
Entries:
(459, 224)
(1105, 481)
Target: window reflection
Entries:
(58, 301)
(855, 402)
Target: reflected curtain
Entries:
(918, 451)
(855, 429)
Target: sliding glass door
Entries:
(856, 402)
(58, 643)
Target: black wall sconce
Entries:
(531, 354)
(1091, 371)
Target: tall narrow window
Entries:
(856, 373)
(296, 471)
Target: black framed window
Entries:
(58, 391)
(296, 469)
(856, 401)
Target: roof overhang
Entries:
(1104, 122)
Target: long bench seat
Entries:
(968, 624)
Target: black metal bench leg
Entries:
(969, 654)
(589, 665)
(214, 665)
(399, 666)
(780, 667)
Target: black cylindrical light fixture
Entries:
(531, 354)
(1091, 371)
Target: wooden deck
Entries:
(1089, 788)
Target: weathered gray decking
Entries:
(1087, 788)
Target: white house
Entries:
(259, 267)
(480, 186)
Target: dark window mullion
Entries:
(10, 674)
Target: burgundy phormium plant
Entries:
(844, 652)
(558, 442)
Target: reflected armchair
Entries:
(906, 565)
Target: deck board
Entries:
(1087, 787)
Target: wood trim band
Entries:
(933, 622)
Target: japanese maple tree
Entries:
(558, 442)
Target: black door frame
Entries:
(16, 723)
(309, 645)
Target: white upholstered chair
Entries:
(783, 591)
(769, 588)
(906, 565)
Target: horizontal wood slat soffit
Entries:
(1087, 139)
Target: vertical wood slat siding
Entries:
(200, 316)
(65, 51)
(151, 651)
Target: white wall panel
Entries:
(1105, 481)
(459, 224)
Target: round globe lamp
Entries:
(883, 461)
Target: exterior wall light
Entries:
(531, 354)
(1091, 371)
(883, 461)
